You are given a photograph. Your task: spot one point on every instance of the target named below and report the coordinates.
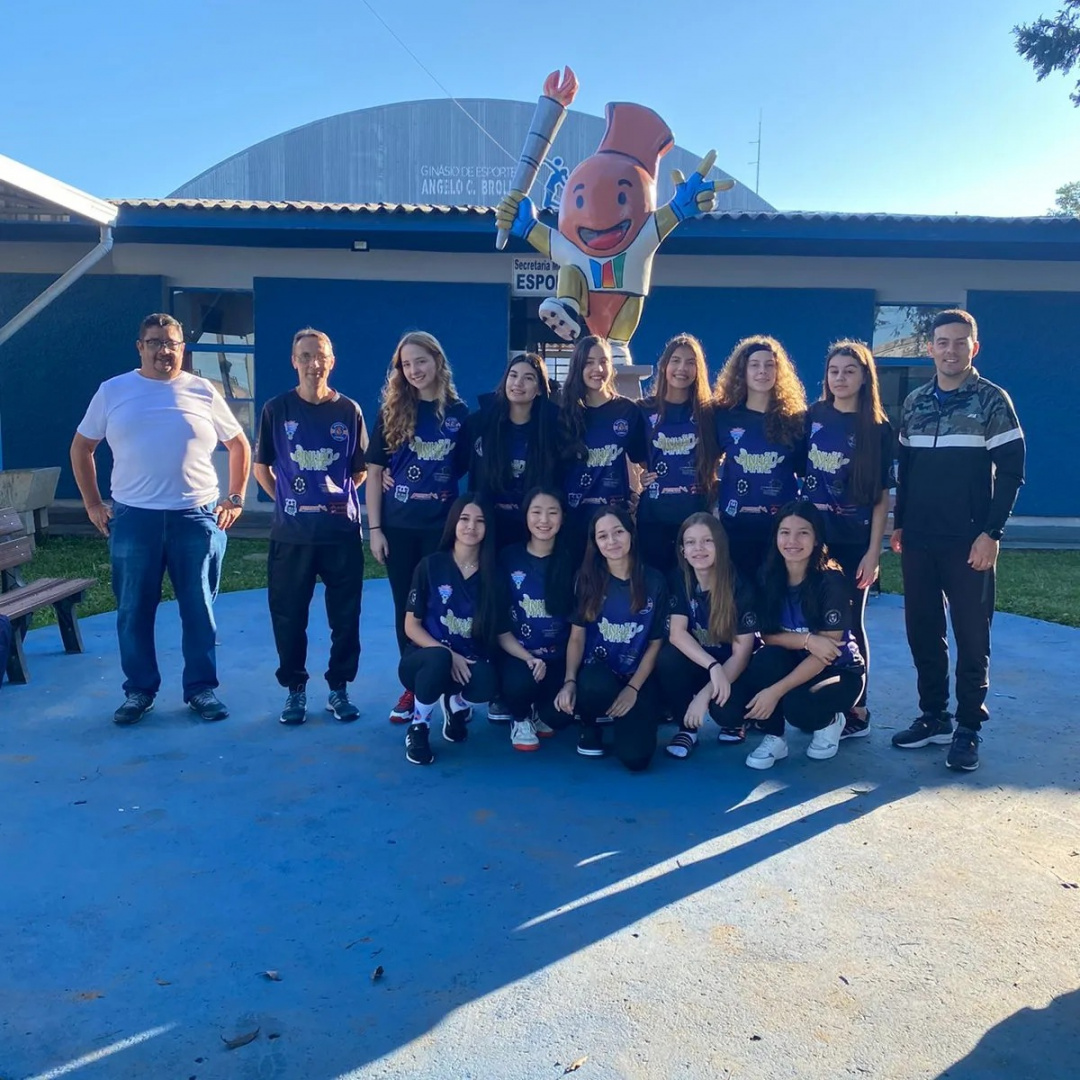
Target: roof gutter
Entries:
(60, 285)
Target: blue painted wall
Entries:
(805, 321)
(366, 319)
(50, 369)
(1028, 347)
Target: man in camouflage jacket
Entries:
(961, 464)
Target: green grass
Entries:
(79, 556)
(1039, 584)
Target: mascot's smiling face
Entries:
(606, 201)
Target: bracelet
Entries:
(372, 528)
(567, 682)
(631, 686)
(806, 643)
(715, 663)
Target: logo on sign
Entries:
(532, 276)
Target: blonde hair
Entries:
(397, 406)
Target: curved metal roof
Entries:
(418, 152)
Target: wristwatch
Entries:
(237, 501)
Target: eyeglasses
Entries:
(159, 344)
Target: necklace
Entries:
(466, 567)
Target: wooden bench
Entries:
(19, 601)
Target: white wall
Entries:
(895, 280)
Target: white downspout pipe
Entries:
(60, 285)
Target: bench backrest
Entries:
(16, 548)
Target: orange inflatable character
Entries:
(610, 228)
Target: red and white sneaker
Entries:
(402, 712)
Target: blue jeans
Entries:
(143, 545)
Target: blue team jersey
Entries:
(829, 460)
(757, 477)
(672, 442)
(614, 432)
(696, 608)
(834, 603)
(315, 451)
(425, 468)
(445, 603)
(619, 636)
(536, 629)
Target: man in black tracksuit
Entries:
(961, 463)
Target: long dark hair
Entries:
(593, 578)
(573, 397)
(493, 459)
(701, 407)
(774, 575)
(786, 413)
(558, 566)
(723, 617)
(865, 484)
(490, 599)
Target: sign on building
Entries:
(533, 276)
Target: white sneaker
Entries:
(826, 740)
(523, 735)
(545, 731)
(769, 751)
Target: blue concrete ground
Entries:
(870, 916)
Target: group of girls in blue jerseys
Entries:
(617, 564)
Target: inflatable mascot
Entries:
(609, 225)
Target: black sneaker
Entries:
(295, 711)
(498, 713)
(342, 708)
(854, 727)
(136, 706)
(417, 745)
(453, 728)
(207, 706)
(964, 752)
(925, 730)
(682, 744)
(731, 735)
(590, 742)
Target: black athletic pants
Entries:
(291, 573)
(680, 679)
(634, 733)
(427, 673)
(811, 706)
(849, 556)
(933, 576)
(407, 548)
(519, 691)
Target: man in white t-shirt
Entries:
(163, 425)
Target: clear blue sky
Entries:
(916, 106)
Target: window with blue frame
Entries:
(902, 351)
(219, 328)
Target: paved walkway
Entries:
(870, 916)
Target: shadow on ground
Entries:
(864, 916)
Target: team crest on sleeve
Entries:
(452, 424)
(339, 432)
(620, 427)
(445, 592)
(749, 620)
(832, 618)
(412, 598)
(478, 446)
(518, 578)
(291, 428)
(737, 433)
